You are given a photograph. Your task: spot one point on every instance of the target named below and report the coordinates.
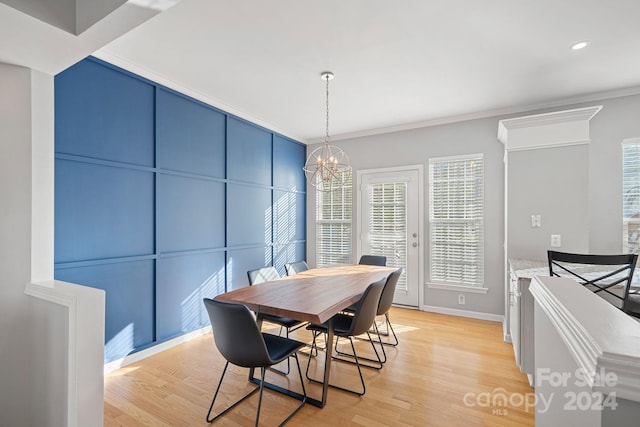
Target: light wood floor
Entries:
(447, 371)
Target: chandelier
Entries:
(327, 167)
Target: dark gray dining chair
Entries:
(373, 260)
(349, 326)
(386, 301)
(263, 274)
(295, 267)
(632, 306)
(267, 274)
(599, 273)
(384, 305)
(237, 337)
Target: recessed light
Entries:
(579, 45)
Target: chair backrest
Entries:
(296, 267)
(236, 334)
(600, 273)
(366, 309)
(373, 260)
(386, 298)
(263, 274)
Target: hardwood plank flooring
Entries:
(446, 371)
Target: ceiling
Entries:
(397, 64)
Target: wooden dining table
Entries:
(315, 296)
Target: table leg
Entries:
(319, 403)
(327, 363)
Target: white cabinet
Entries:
(514, 315)
(521, 312)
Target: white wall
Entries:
(33, 334)
(552, 183)
(416, 147)
(618, 119)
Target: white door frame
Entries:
(420, 169)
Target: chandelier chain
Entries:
(327, 138)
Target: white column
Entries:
(51, 348)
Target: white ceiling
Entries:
(398, 64)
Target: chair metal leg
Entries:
(304, 393)
(260, 388)
(379, 362)
(390, 328)
(224, 371)
(357, 363)
(262, 371)
(384, 352)
(313, 347)
(388, 331)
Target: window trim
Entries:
(480, 287)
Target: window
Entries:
(333, 225)
(631, 195)
(456, 220)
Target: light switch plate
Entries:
(536, 221)
(556, 241)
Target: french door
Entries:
(390, 204)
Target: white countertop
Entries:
(525, 268)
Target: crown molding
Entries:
(577, 114)
(108, 56)
(553, 118)
(557, 128)
(553, 145)
(591, 97)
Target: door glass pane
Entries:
(388, 224)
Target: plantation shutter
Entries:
(631, 196)
(456, 219)
(388, 224)
(333, 225)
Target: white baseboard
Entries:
(143, 354)
(464, 313)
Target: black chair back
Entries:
(236, 334)
(296, 267)
(386, 299)
(373, 260)
(366, 309)
(584, 269)
(264, 274)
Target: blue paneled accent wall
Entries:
(162, 200)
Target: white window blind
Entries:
(388, 224)
(333, 225)
(456, 220)
(631, 196)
